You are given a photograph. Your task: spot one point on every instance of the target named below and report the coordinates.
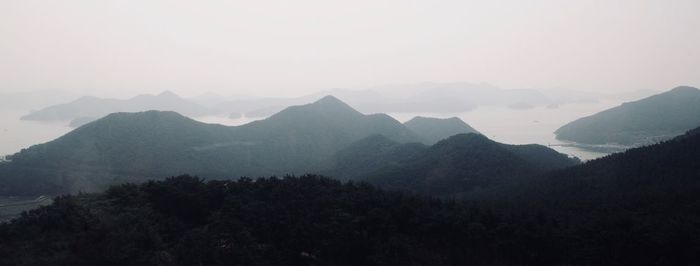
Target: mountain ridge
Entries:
(646, 121)
(136, 146)
(452, 167)
(95, 107)
(433, 130)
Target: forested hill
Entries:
(138, 146)
(319, 221)
(117, 148)
(433, 130)
(455, 166)
(646, 121)
(291, 221)
(662, 177)
(639, 207)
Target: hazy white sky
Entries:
(300, 46)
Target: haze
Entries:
(290, 48)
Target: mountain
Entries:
(366, 101)
(368, 156)
(666, 169)
(136, 146)
(646, 121)
(92, 107)
(639, 207)
(433, 130)
(117, 148)
(635, 207)
(455, 167)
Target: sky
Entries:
(286, 48)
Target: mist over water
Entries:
(16, 134)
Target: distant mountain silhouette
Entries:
(646, 121)
(429, 97)
(433, 130)
(455, 166)
(88, 107)
(136, 146)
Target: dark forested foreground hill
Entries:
(290, 221)
(652, 119)
(648, 182)
(318, 221)
(454, 167)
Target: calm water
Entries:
(16, 134)
(501, 124)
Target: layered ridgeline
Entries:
(86, 109)
(454, 167)
(646, 121)
(433, 130)
(639, 207)
(137, 146)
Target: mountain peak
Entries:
(684, 89)
(466, 137)
(329, 100)
(152, 115)
(168, 94)
(433, 130)
(328, 106)
(417, 119)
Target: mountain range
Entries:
(646, 121)
(137, 146)
(88, 108)
(639, 207)
(453, 167)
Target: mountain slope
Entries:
(634, 207)
(119, 147)
(368, 156)
(137, 146)
(93, 107)
(453, 167)
(640, 207)
(646, 121)
(670, 167)
(433, 130)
